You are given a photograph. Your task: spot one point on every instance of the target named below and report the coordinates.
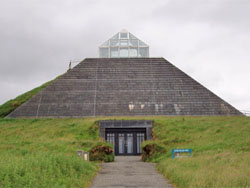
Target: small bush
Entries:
(109, 158)
(102, 152)
(16, 104)
(152, 149)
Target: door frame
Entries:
(125, 125)
(125, 131)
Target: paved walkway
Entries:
(129, 172)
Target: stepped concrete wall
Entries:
(124, 87)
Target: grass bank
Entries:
(221, 151)
(42, 152)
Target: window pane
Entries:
(105, 44)
(123, 52)
(133, 42)
(133, 52)
(114, 52)
(130, 143)
(116, 36)
(121, 143)
(142, 43)
(143, 52)
(114, 42)
(132, 36)
(124, 42)
(111, 139)
(124, 35)
(140, 139)
(104, 52)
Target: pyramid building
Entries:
(124, 81)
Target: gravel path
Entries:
(129, 172)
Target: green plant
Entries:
(42, 153)
(152, 149)
(220, 146)
(220, 151)
(109, 158)
(102, 152)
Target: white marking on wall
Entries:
(177, 109)
(142, 106)
(131, 107)
(156, 107)
(161, 106)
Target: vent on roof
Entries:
(123, 44)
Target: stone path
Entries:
(129, 172)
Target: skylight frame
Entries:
(124, 40)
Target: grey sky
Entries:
(207, 39)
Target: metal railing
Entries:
(73, 62)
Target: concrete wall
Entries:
(124, 87)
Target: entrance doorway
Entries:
(126, 141)
(126, 135)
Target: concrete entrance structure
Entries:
(126, 135)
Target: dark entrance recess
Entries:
(126, 141)
(126, 135)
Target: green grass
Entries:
(12, 104)
(45, 170)
(221, 151)
(42, 152)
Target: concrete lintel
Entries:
(148, 124)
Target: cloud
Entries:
(229, 13)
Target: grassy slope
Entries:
(40, 151)
(12, 104)
(221, 151)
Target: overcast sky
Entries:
(207, 39)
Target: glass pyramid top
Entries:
(123, 44)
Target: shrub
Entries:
(102, 152)
(152, 149)
(16, 104)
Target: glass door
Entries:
(126, 141)
(110, 138)
(130, 143)
(140, 138)
(121, 146)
